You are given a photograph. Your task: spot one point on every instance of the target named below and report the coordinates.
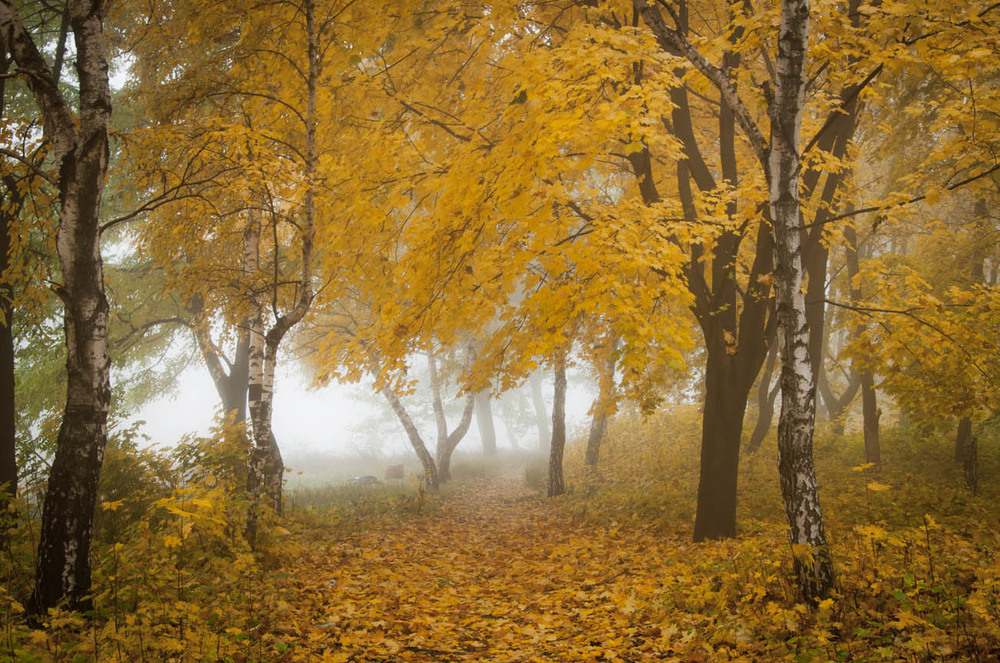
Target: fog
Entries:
(345, 420)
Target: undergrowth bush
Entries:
(173, 576)
(917, 555)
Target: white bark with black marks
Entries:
(266, 466)
(79, 147)
(798, 389)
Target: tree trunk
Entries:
(231, 385)
(604, 404)
(266, 471)
(962, 438)
(836, 406)
(558, 444)
(722, 428)
(440, 421)
(8, 431)
(233, 392)
(8, 211)
(766, 396)
(871, 414)
(734, 321)
(426, 460)
(80, 150)
(484, 421)
(541, 416)
(970, 465)
(446, 442)
(870, 411)
(796, 424)
(445, 451)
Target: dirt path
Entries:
(492, 575)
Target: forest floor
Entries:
(492, 574)
(489, 569)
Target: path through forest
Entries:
(494, 573)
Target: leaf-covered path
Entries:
(494, 574)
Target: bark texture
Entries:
(797, 421)
(556, 484)
(79, 147)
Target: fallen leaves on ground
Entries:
(493, 574)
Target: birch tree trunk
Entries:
(79, 146)
(798, 389)
(426, 459)
(266, 468)
(556, 484)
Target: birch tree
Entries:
(79, 148)
(779, 160)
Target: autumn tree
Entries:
(779, 160)
(79, 147)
